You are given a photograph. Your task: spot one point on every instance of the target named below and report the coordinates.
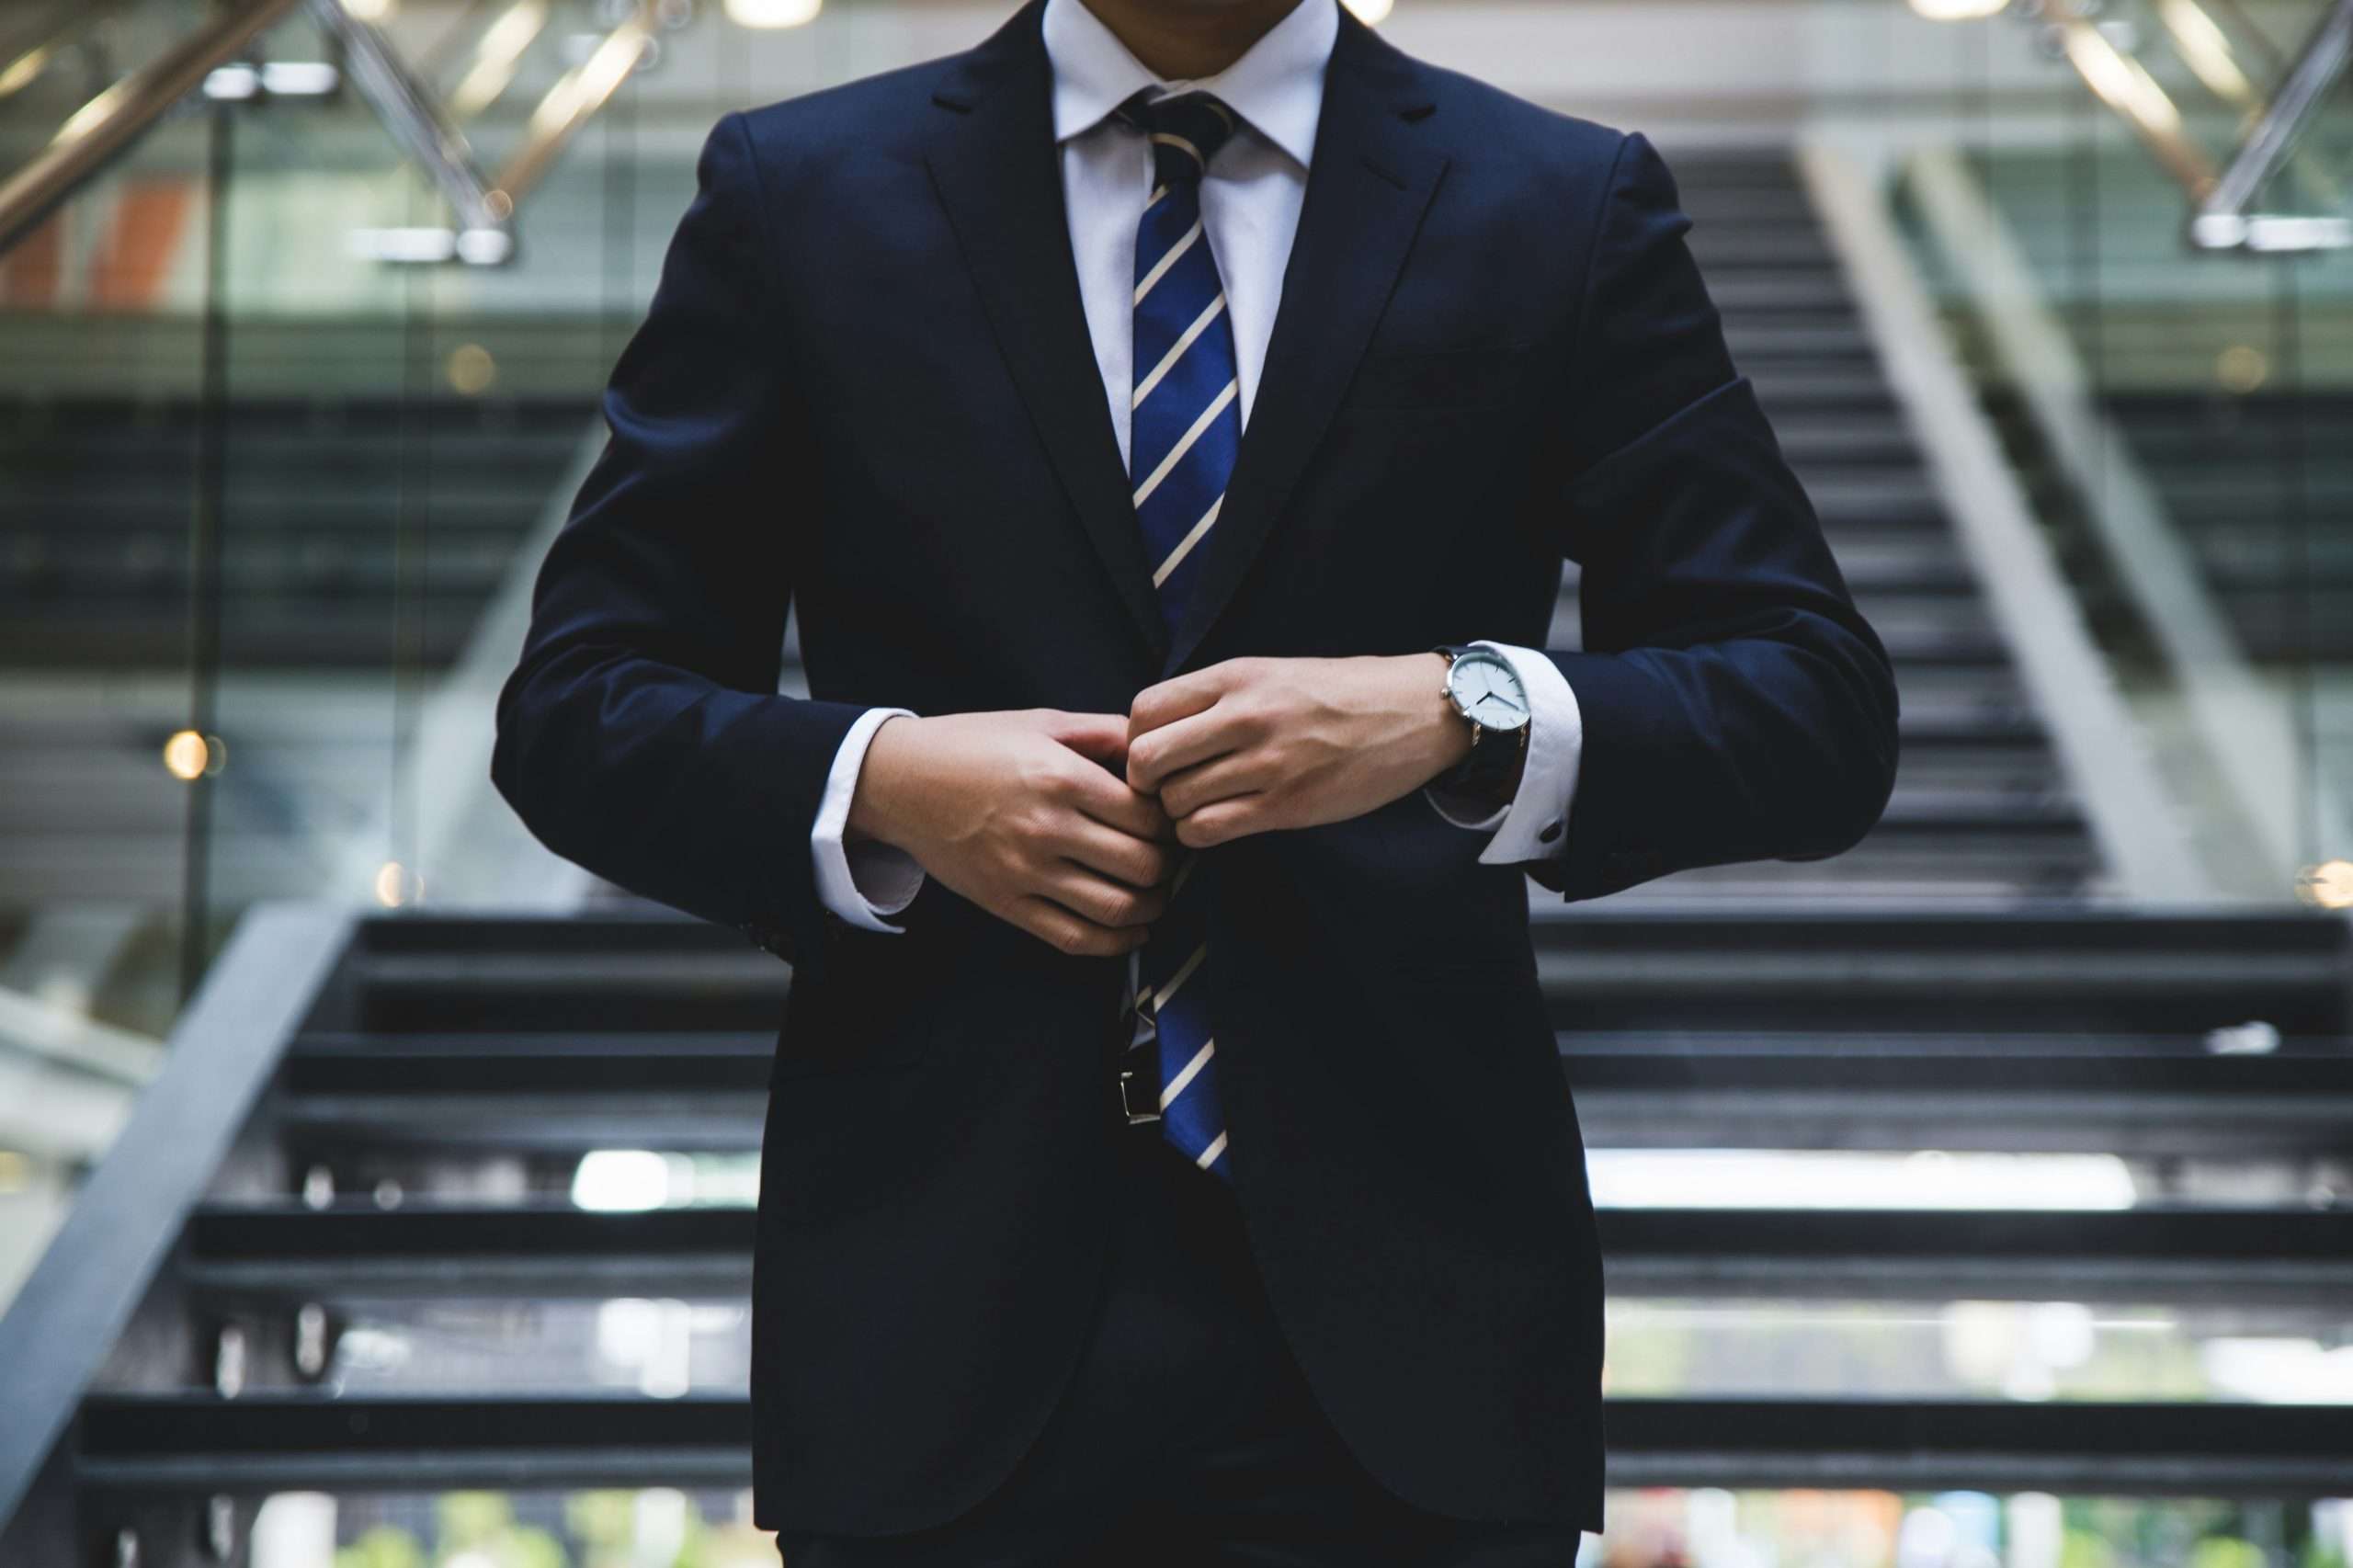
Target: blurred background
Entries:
(375, 1188)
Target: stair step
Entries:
(268, 1440)
(549, 1249)
(2158, 1095)
(1764, 289)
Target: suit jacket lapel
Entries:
(998, 172)
(1370, 181)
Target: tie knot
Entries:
(1185, 129)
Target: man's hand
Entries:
(1022, 814)
(1253, 744)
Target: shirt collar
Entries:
(1276, 87)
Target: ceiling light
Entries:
(772, 13)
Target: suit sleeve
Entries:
(1735, 705)
(641, 734)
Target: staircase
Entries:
(1981, 808)
(352, 532)
(426, 1203)
(2261, 487)
(360, 540)
(379, 1231)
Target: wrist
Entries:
(874, 816)
(1446, 735)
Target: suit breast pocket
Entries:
(1492, 377)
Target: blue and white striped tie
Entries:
(1186, 425)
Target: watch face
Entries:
(1485, 688)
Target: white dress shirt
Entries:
(1250, 203)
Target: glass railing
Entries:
(101, 352)
(2154, 297)
(297, 381)
(298, 384)
(291, 395)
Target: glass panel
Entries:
(397, 431)
(2198, 505)
(103, 460)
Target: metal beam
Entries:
(110, 122)
(2222, 220)
(577, 98)
(66, 1318)
(414, 119)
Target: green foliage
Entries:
(472, 1519)
(382, 1547)
(2221, 1551)
(2082, 1549)
(525, 1546)
(605, 1520)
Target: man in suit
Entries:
(1170, 418)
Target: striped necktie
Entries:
(1186, 425)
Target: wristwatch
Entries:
(1486, 691)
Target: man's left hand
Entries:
(1253, 745)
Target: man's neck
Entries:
(1182, 41)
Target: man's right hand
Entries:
(1028, 815)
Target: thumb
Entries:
(1099, 737)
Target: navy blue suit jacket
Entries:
(865, 389)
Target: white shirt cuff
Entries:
(864, 881)
(1533, 825)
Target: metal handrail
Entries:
(2245, 729)
(484, 208)
(26, 48)
(2222, 220)
(2220, 198)
(102, 128)
(575, 100)
(59, 1331)
(416, 120)
(2125, 86)
(2140, 831)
